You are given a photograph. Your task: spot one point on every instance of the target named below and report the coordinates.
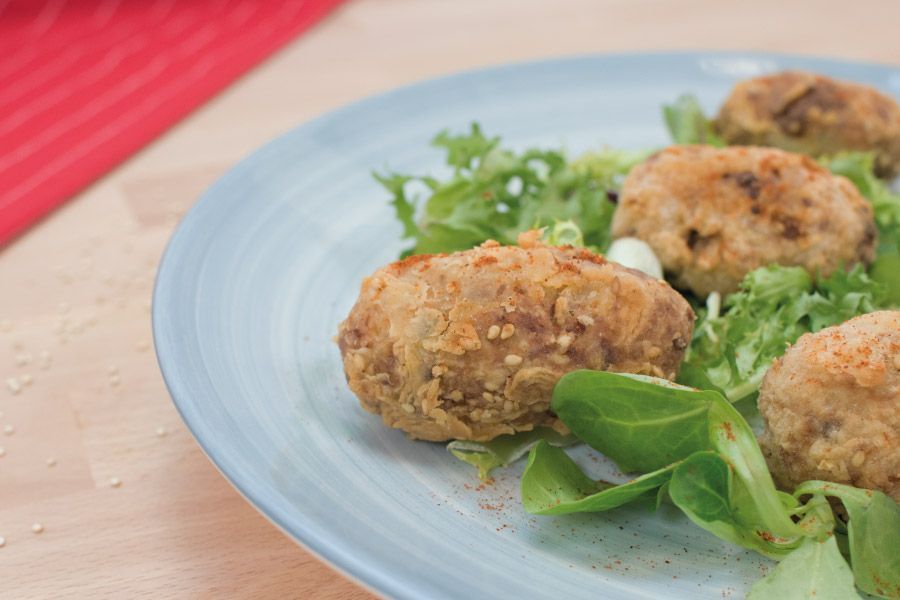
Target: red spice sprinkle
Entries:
(485, 483)
(483, 260)
(415, 259)
(728, 432)
(766, 536)
(769, 537)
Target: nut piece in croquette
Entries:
(470, 345)
(712, 215)
(809, 113)
(831, 406)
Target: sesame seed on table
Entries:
(102, 489)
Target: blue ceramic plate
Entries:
(261, 271)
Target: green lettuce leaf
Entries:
(687, 124)
(814, 570)
(703, 486)
(497, 193)
(615, 414)
(874, 532)
(554, 485)
(717, 476)
(505, 449)
(886, 271)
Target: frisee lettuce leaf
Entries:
(774, 307)
(497, 193)
(687, 124)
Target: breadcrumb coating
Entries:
(470, 345)
(809, 113)
(831, 406)
(712, 215)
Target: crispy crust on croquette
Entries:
(813, 114)
(712, 215)
(470, 345)
(831, 406)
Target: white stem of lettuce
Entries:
(739, 392)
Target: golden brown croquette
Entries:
(831, 406)
(470, 345)
(712, 215)
(809, 113)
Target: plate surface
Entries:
(263, 268)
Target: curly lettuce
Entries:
(687, 123)
(497, 193)
(732, 350)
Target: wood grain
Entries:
(74, 307)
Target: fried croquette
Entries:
(712, 215)
(470, 345)
(831, 406)
(809, 113)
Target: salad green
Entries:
(557, 486)
(718, 479)
(873, 532)
(616, 414)
(505, 449)
(497, 193)
(687, 123)
(674, 417)
(826, 574)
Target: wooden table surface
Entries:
(93, 450)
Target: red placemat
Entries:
(84, 84)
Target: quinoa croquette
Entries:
(831, 406)
(809, 113)
(470, 345)
(712, 215)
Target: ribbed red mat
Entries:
(84, 84)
